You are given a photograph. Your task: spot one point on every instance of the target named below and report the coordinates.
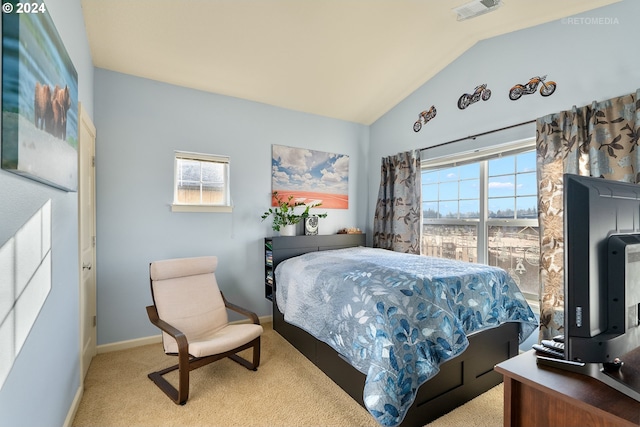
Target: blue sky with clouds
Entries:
(299, 169)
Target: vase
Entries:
(288, 230)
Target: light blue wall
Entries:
(45, 376)
(593, 56)
(139, 124)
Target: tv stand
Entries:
(626, 381)
(539, 395)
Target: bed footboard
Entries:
(459, 380)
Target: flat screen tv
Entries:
(602, 280)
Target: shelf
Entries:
(279, 248)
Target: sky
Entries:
(299, 169)
(512, 186)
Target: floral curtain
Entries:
(599, 140)
(398, 217)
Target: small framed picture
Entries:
(311, 225)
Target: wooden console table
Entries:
(536, 395)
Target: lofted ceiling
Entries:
(346, 59)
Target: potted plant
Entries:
(285, 217)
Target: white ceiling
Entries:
(347, 59)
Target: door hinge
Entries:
(93, 161)
(93, 241)
(95, 321)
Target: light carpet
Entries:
(287, 390)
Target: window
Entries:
(483, 208)
(201, 183)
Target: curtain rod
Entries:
(478, 134)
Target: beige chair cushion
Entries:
(225, 339)
(181, 267)
(187, 297)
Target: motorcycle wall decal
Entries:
(424, 117)
(480, 92)
(546, 89)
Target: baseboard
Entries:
(123, 345)
(264, 319)
(154, 339)
(71, 415)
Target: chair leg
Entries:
(184, 369)
(187, 364)
(256, 355)
(164, 385)
(180, 395)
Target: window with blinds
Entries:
(201, 182)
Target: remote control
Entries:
(548, 351)
(555, 345)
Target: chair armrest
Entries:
(250, 314)
(179, 336)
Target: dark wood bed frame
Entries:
(459, 380)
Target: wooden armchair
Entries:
(191, 311)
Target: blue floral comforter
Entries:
(396, 317)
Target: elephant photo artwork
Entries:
(39, 102)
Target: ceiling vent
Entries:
(476, 8)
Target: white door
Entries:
(87, 238)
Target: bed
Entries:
(409, 337)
